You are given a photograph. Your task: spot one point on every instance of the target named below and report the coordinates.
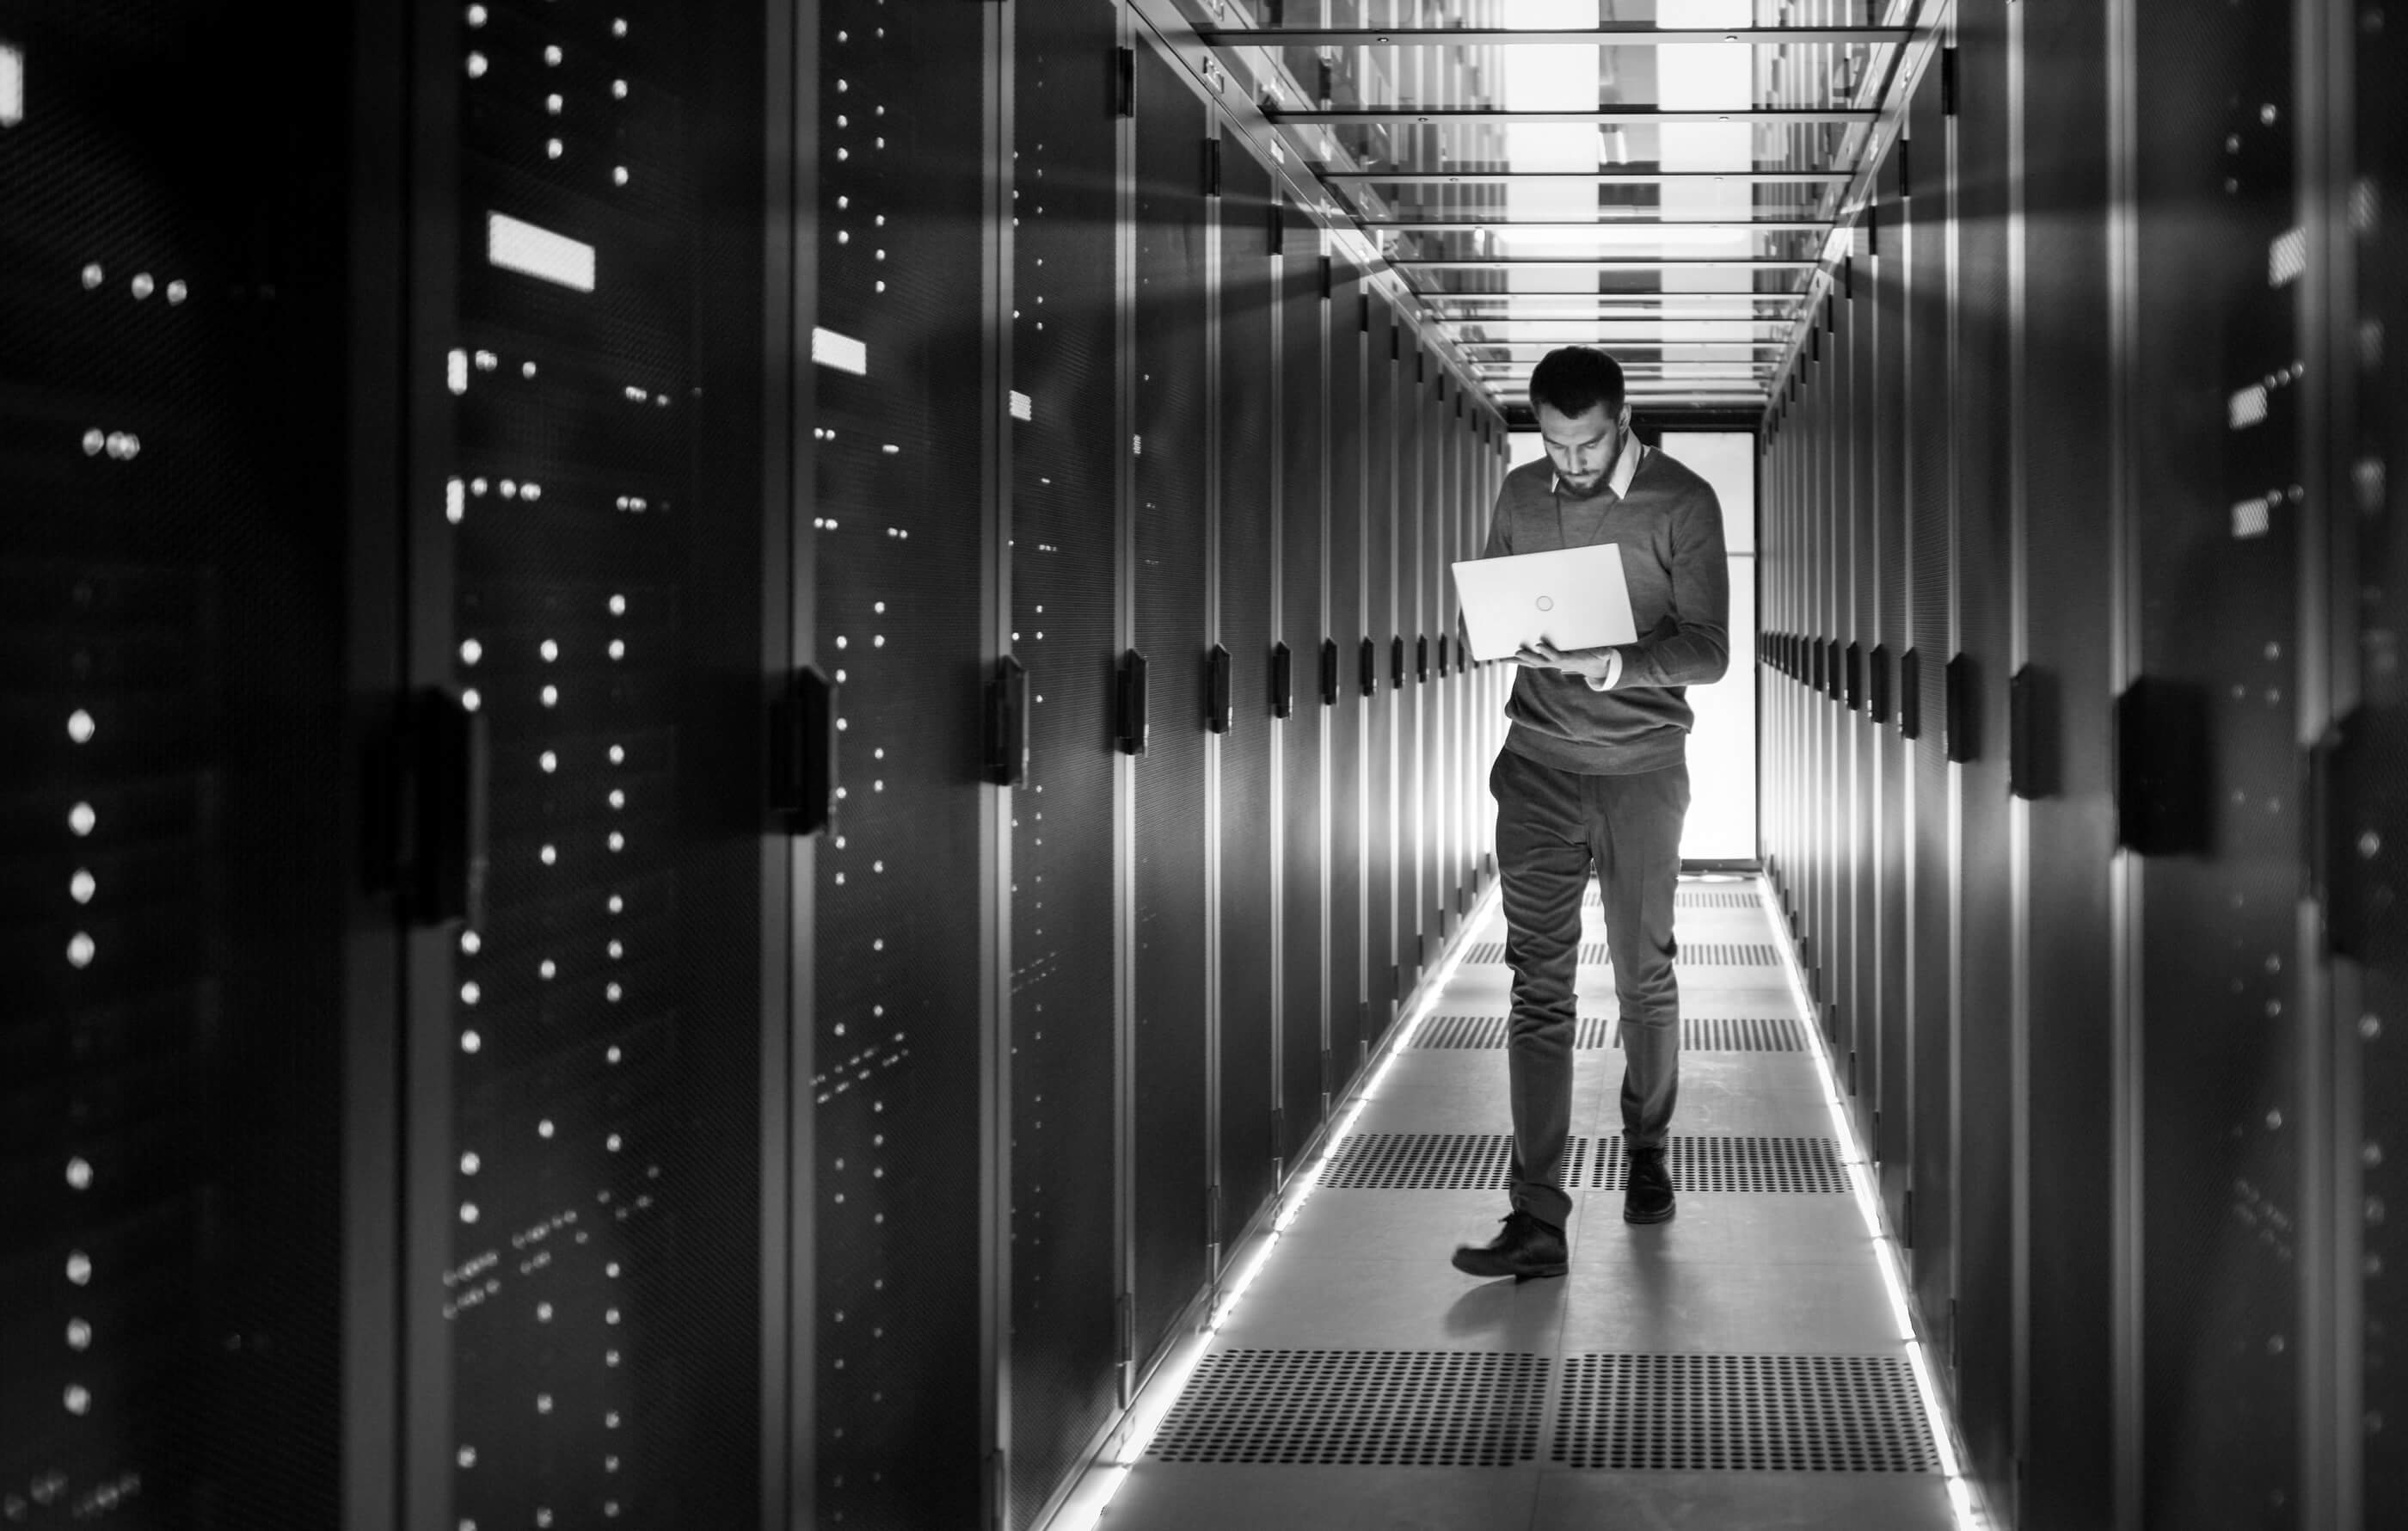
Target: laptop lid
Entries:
(1574, 598)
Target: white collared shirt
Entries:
(1626, 467)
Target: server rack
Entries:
(1305, 1000)
(1248, 483)
(1173, 554)
(1068, 506)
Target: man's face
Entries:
(1583, 447)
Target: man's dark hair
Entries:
(1576, 380)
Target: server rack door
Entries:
(1304, 515)
(1862, 612)
(1413, 501)
(1842, 509)
(1987, 1281)
(1455, 447)
(2218, 202)
(606, 597)
(1248, 482)
(2367, 925)
(187, 1157)
(1349, 718)
(1823, 563)
(1380, 858)
(2068, 614)
(1892, 1089)
(1064, 494)
(1434, 694)
(1172, 547)
(1930, 476)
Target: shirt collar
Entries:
(1626, 467)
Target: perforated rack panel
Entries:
(175, 808)
(1304, 525)
(1383, 440)
(1247, 483)
(597, 183)
(1065, 494)
(1173, 543)
(2219, 197)
(2378, 488)
(1928, 532)
(1349, 720)
(902, 566)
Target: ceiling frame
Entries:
(1441, 116)
(1621, 34)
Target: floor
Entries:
(1738, 1367)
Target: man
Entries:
(1594, 772)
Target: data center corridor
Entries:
(740, 752)
(1744, 1366)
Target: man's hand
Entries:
(1589, 664)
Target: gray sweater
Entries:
(1670, 527)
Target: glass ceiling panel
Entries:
(1657, 175)
(1671, 151)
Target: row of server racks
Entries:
(2086, 744)
(722, 724)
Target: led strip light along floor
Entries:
(1887, 1254)
(1121, 1452)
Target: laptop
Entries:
(1574, 598)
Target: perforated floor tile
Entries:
(1735, 1164)
(1430, 1408)
(1491, 954)
(1746, 1413)
(1435, 1160)
(1727, 954)
(1701, 1034)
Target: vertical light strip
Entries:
(1886, 1255)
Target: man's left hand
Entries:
(1589, 664)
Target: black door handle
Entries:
(1283, 682)
(445, 811)
(1331, 683)
(1132, 725)
(1370, 666)
(1959, 722)
(1219, 707)
(804, 776)
(1006, 715)
(1397, 661)
(1421, 659)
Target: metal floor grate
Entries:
(1435, 1160)
(1405, 1409)
(1727, 954)
(1701, 898)
(1744, 1414)
(1592, 953)
(1737, 1034)
(1736, 1164)
(1698, 1034)
(1488, 1031)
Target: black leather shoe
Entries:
(1527, 1248)
(1647, 1190)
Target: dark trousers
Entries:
(1551, 825)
